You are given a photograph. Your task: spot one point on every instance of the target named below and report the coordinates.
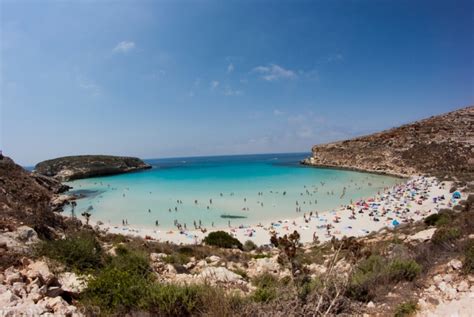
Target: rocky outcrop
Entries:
(440, 145)
(25, 200)
(34, 290)
(83, 166)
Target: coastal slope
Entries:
(440, 146)
(83, 166)
(26, 198)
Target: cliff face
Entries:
(83, 166)
(440, 145)
(26, 199)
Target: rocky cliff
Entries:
(25, 198)
(83, 166)
(441, 145)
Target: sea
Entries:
(217, 190)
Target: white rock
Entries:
(219, 274)
(8, 299)
(40, 270)
(12, 275)
(437, 279)
(447, 278)
(71, 283)
(463, 286)
(422, 235)
(27, 234)
(455, 264)
(371, 305)
(156, 257)
(213, 258)
(263, 265)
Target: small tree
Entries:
(86, 215)
(288, 245)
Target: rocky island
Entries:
(84, 166)
(440, 145)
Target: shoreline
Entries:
(413, 200)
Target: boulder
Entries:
(8, 299)
(455, 264)
(263, 265)
(219, 275)
(12, 276)
(40, 270)
(71, 283)
(423, 235)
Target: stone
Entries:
(213, 258)
(219, 274)
(371, 305)
(263, 265)
(12, 276)
(157, 257)
(18, 289)
(422, 235)
(40, 270)
(27, 234)
(463, 286)
(448, 278)
(455, 264)
(71, 283)
(8, 299)
(437, 279)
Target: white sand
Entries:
(413, 200)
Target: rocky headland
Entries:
(439, 146)
(84, 166)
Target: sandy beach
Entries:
(415, 199)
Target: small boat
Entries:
(232, 216)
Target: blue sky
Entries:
(184, 78)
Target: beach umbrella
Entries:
(395, 223)
(456, 195)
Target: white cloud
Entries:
(274, 72)
(230, 68)
(277, 112)
(124, 47)
(214, 84)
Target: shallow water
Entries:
(232, 182)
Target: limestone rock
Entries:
(71, 283)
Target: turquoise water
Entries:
(260, 188)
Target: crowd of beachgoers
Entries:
(410, 201)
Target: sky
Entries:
(189, 78)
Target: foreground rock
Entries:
(35, 291)
(83, 166)
(441, 145)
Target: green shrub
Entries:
(176, 258)
(174, 300)
(260, 256)
(80, 251)
(123, 284)
(438, 219)
(468, 264)
(249, 245)
(407, 270)
(264, 294)
(115, 290)
(376, 271)
(267, 286)
(444, 235)
(406, 309)
(367, 274)
(223, 240)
